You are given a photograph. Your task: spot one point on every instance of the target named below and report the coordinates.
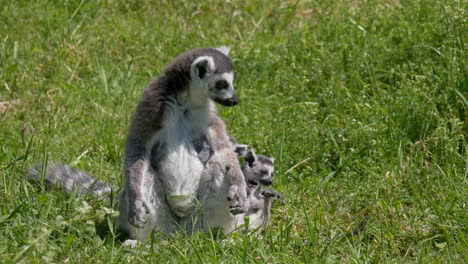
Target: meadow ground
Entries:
(363, 104)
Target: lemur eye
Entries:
(264, 172)
(221, 84)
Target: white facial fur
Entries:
(206, 86)
(199, 87)
(256, 170)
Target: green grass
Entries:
(363, 104)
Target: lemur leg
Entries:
(136, 166)
(159, 214)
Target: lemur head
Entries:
(258, 168)
(211, 75)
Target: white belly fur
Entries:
(180, 168)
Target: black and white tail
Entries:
(69, 179)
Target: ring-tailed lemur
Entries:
(175, 133)
(258, 170)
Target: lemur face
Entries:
(222, 90)
(213, 76)
(258, 168)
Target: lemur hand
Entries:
(137, 213)
(269, 193)
(238, 196)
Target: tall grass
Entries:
(363, 104)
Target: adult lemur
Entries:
(174, 133)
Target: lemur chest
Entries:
(180, 151)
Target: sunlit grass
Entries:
(363, 104)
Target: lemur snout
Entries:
(266, 182)
(232, 101)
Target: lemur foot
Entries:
(238, 197)
(130, 243)
(269, 193)
(137, 213)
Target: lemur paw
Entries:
(137, 213)
(238, 198)
(269, 193)
(131, 243)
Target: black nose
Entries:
(266, 182)
(232, 101)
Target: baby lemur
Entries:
(258, 170)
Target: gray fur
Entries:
(260, 206)
(215, 209)
(69, 179)
(240, 149)
(257, 170)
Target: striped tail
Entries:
(69, 179)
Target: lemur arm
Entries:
(269, 195)
(230, 166)
(146, 122)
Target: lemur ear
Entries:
(241, 150)
(202, 65)
(250, 157)
(272, 159)
(202, 68)
(224, 49)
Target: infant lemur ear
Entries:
(224, 49)
(202, 65)
(250, 157)
(241, 150)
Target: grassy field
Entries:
(364, 104)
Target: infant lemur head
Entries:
(204, 73)
(258, 168)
